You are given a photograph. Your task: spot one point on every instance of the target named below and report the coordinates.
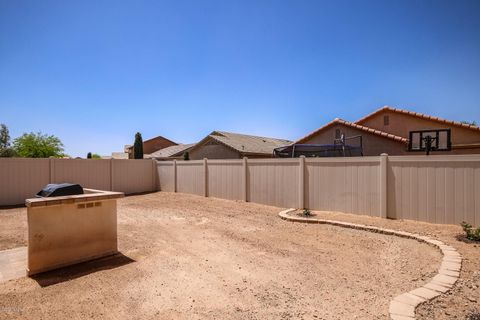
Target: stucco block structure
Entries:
(66, 230)
(387, 131)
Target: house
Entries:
(387, 131)
(117, 155)
(172, 152)
(151, 145)
(228, 145)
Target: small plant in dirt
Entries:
(473, 316)
(307, 213)
(470, 232)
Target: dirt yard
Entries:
(188, 257)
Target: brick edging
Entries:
(402, 307)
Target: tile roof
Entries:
(419, 115)
(171, 151)
(246, 144)
(355, 126)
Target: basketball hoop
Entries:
(430, 140)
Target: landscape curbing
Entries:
(403, 306)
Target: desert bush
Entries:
(473, 316)
(470, 232)
(307, 213)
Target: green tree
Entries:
(186, 156)
(138, 146)
(5, 148)
(89, 155)
(38, 145)
(96, 156)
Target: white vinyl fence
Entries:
(22, 178)
(437, 189)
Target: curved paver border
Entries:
(403, 306)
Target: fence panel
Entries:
(190, 177)
(165, 176)
(133, 176)
(22, 178)
(437, 189)
(343, 184)
(89, 173)
(274, 182)
(225, 179)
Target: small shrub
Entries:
(89, 155)
(473, 316)
(307, 213)
(186, 156)
(470, 232)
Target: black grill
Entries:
(60, 189)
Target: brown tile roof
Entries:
(419, 115)
(355, 126)
(246, 144)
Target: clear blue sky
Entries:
(95, 72)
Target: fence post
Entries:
(111, 174)
(301, 183)
(245, 179)
(205, 177)
(51, 165)
(155, 175)
(383, 185)
(174, 175)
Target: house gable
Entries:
(157, 143)
(401, 122)
(212, 149)
(374, 143)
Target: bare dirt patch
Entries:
(13, 228)
(464, 299)
(188, 257)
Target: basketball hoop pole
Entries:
(428, 144)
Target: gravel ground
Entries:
(188, 257)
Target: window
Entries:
(386, 120)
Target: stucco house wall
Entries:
(152, 145)
(373, 145)
(156, 144)
(401, 124)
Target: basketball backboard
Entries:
(430, 140)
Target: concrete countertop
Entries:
(89, 195)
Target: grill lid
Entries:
(60, 189)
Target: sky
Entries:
(94, 73)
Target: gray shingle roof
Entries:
(171, 151)
(248, 144)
